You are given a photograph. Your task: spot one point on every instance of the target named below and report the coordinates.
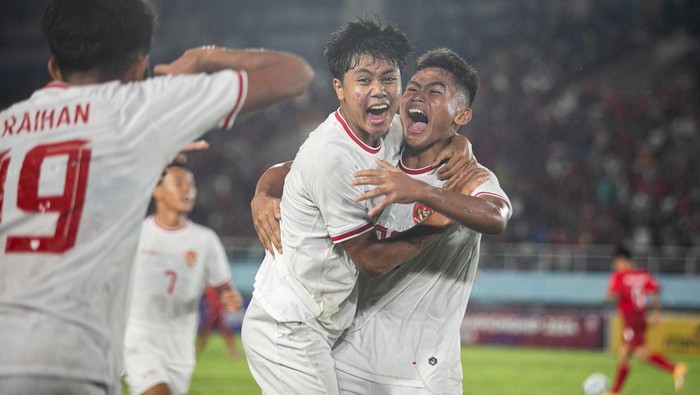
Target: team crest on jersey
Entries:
(420, 212)
(190, 258)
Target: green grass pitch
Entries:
(487, 371)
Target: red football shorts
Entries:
(634, 331)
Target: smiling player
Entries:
(304, 299)
(405, 337)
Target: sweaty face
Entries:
(177, 191)
(429, 107)
(369, 98)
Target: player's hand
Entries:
(199, 145)
(266, 215)
(458, 155)
(192, 61)
(231, 299)
(468, 180)
(391, 182)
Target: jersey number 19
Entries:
(68, 204)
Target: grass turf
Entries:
(487, 371)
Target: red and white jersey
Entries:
(632, 289)
(171, 268)
(406, 330)
(77, 167)
(313, 280)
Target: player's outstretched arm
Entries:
(265, 205)
(272, 76)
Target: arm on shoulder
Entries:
(375, 257)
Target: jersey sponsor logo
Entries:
(420, 212)
(432, 361)
(190, 258)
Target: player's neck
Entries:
(420, 157)
(170, 219)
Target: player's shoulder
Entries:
(326, 144)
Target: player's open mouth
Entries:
(377, 114)
(417, 120)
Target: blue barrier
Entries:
(537, 287)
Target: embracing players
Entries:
(305, 297)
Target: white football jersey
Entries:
(313, 280)
(77, 167)
(406, 330)
(170, 271)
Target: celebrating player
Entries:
(78, 162)
(405, 336)
(303, 299)
(630, 287)
(174, 260)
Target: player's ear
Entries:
(157, 192)
(338, 87)
(54, 71)
(463, 116)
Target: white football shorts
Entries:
(287, 357)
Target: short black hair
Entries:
(106, 36)
(622, 251)
(365, 36)
(180, 161)
(463, 73)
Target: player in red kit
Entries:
(630, 287)
(214, 317)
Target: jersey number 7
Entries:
(68, 204)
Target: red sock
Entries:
(661, 362)
(622, 370)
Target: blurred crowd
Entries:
(591, 145)
(588, 111)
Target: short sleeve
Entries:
(345, 218)
(179, 109)
(491, 187)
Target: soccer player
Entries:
(174, 260)
(405, 337)
(304, 298)
(78, 162)
(630, 287)
(213, 315)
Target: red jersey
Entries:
(632, 288)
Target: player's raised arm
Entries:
(272, 75)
